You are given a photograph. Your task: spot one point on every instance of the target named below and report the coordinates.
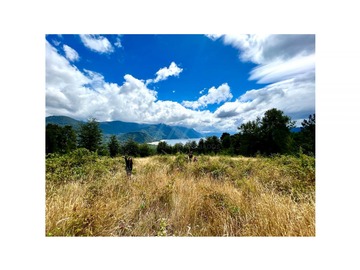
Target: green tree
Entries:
(131, 148)
(225, 140)
(114, 146)
(60, 139)
(52, 134)
(68, 139)
(201, 147)
(248, 142)
(145, 150)
(103, 150)
(163, 148)
(190, 146)
(236, 144)
(213, 144)
(90, 135)
(307, 135)
(275, 132)
(268, 135)
(178, 148)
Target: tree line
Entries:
(268, 135)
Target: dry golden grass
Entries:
(167, 196)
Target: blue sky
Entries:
(207, 82)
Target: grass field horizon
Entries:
(89, 195)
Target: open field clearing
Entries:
(88, 195)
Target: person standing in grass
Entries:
(190, 155)
(128, 165)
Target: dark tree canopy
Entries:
(212, 145)
(225, 140)
(307, 135)
(178, 148)
(249, 139)
(163, 148)
(145, 150)
(268, 135)
(275, 132)
(131, 148)
(114, 146)
(60, 139)
(201, 146)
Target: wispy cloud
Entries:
(97, 43)
(287, 62)
(118, 42)
(283, 70)
(279, 57)
(70, 53)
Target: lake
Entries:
(172, 142)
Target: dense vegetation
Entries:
(90, 195)
(266, 136)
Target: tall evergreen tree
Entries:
(114, 146)
(225, 140)
(90, 135)
(68, 139)
(52, 135)
(201, 147)
(60, 139)
(307, 135)
(248, 142)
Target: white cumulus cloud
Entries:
(295, 97)
(97, 43)
(165, 72)
(214, 96)
(86, 94)
(70, 53)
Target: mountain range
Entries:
(124, 131)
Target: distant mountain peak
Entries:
(139, 132)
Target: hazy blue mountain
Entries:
(117, 127)
(140, 137)
(127, 130)
(63, 121)
(295, 129)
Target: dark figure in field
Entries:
(190, 156)
(128, 165)
(195, 159)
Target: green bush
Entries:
(78, 165)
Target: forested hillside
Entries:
(124, 131)
(266, 136)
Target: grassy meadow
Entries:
(89, 195)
